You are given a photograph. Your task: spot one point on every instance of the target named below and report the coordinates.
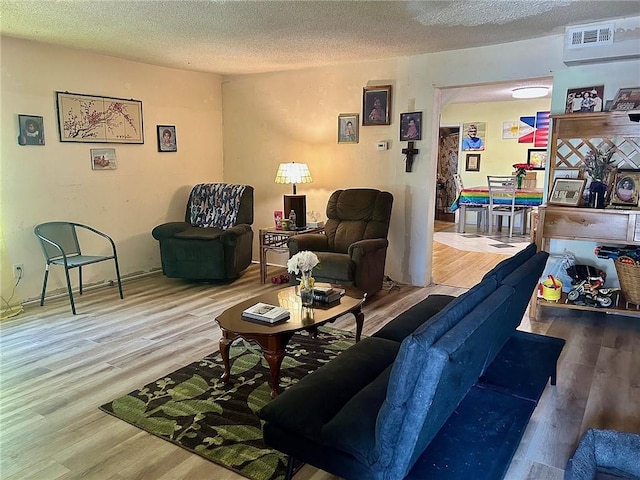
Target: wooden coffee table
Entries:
(273, 339)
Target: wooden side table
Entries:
(272, 239)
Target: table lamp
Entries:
(295, 173)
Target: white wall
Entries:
(56, 182)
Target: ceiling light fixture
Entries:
(530, 92)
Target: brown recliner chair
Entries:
(353, 248)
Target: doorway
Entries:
(448, 141)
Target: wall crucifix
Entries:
(409, 153)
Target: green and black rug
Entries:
(194, 409)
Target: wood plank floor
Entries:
(56, 370)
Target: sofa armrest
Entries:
(317, 242)
(230, 236)
(359, 250)
(168, 230)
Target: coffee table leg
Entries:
(273, 349)
(359, 323)
(225, 342)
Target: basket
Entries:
(629, 276)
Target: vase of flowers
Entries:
(303, 263)
(599, 165)
(521, 172)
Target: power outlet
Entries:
(18, 270)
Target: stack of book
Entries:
(263, 312)
(325, 293)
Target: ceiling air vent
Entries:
(590, 36)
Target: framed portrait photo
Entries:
(103, 159)
(411, 126)
(585, 99)
(626, 99)
(473, 136)
(537, 158)
(567, 191)
(376, 105)
(348, 124)
(626, 188)
(31, 129)
(167, 141)
(472, 162)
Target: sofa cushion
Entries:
(407, 322)
(215, 204)
(199, 233)
(508, 265)
(312, 402)
(336, 267)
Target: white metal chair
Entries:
(502, 199)
(480, 210)
(60, 246)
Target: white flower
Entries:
(302, 262)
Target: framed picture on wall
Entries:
(167, 141)
(472, 162)
(31, 130)
(348, 124)
(537, 158)
(376, 105)
(585, 99)
(103, 159)
(473, 136)
(411, 126)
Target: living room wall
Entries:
(56, 182)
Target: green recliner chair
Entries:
(353, 248)
(215, 241)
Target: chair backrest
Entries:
(459, 185)
(502, 191)
(220, 205)
(62, 234)
(357, 214)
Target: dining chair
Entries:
(502, 202)
(479, 209)
(60, 246)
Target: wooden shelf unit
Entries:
(572, 137)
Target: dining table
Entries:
(478, 196)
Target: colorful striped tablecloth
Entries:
(525, 197)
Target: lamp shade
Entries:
(293, 173)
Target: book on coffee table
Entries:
(328, 295)
(266, 313)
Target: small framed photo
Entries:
(586, 99)
(626, 188)
(103, 159)
(31, 130)
(537, 158)
(411, 126)
(472, 162)
(376, 105)
(626, 99)
(348, 124)
(167, 141)
(567, 191)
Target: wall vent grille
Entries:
(591, 36)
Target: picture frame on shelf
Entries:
(626, 99)
(567, 173)
(376, 105)
(472, 162)
(167, 140)
(537, 158)
(103, 159)
(31, 128)
(567, 191)
(626, 188)
(585, 99)
(411, 126)
(348, 131)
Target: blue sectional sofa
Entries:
(445, 390)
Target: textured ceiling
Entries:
(236, 37)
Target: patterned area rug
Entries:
(194, 409)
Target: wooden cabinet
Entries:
(572, 137)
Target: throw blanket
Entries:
(215, 204)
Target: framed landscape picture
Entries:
(103, 159)
(537, 158)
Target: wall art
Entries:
(411, 126)
(376, 105)
(103, 159)
(31, 130)
(586, 99)
(167, 141)
(348, 124)
(95, 119)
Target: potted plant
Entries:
(599, 165)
